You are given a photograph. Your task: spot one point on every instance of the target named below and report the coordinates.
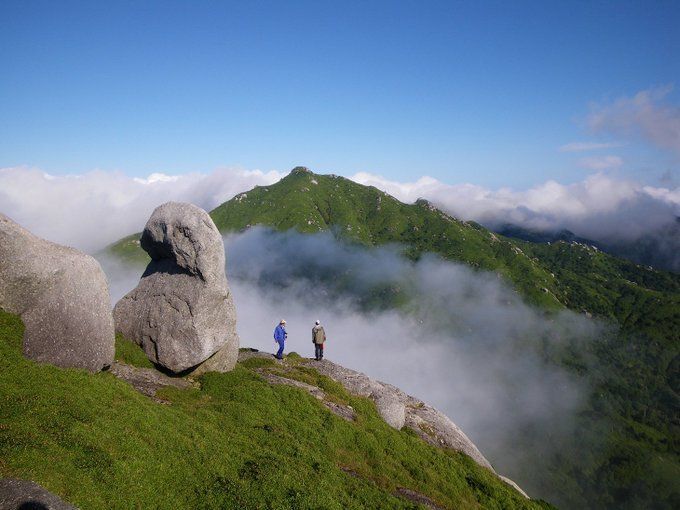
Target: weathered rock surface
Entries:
(222, 361)
(24, 495)
(391, 409)
(62, 297)
(182, 311)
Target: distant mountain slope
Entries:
(659, 249)
(589, 280)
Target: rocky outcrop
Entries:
(182, 311)
(399, 409)
(394, 406)
(24, 495)
(62, 297)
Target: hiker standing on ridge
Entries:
(318, 338)
(280, 336)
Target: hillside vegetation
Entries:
(232, 441)
(630, 425)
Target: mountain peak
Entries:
(300, 170)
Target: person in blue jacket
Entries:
(280, 336)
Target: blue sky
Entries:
(481, 92)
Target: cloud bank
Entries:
(601, 207)
(92, 210)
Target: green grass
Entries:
(237, 442)
(130, 353)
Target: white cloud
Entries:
(588, 146)
(600, 207)
(156, 177)
(645, 115)
(601, 163)
(92, 210)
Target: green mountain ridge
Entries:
(635, 394)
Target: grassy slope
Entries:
(636, 393)
(236, 442)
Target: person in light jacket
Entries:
(280, 336)
(318, 338)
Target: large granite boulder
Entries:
(62, 297)
(182, 311)
(24, 495)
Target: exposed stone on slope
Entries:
(62, 297)
(513, 485)
(147, 381)
(181, 312)
(392, 409)
(418, 498)
(396, 407)
(346, 412)
(25, 495)
(343, 411)
(432, 425)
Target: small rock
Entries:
(25, 495)
(147, 381)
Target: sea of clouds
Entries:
(461, 340)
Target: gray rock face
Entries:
(182, 312)
(24, 495)
(222, 361)
(62, 297)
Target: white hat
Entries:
(318, 322)
(283, 321)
